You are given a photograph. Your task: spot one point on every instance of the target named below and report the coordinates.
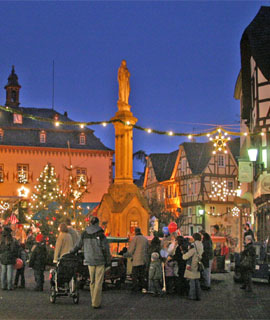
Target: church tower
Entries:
(12, 90)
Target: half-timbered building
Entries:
(207, 183)
(253, 90)
(158, 181)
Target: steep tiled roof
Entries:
(255, 42)
(27, 133)
(199, 154)
(234, 146)
(163, 164)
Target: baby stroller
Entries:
(63, 279)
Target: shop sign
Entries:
(245, 171)
(265, 184)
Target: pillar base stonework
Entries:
(122, 209)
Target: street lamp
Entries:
(252, 154)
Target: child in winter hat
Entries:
(155, 274)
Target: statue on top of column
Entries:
(123, 79)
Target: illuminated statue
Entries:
(123, 79)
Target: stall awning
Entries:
(84, 207)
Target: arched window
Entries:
(82, 139)
(42, 137)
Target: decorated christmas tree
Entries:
(50, 206)
(45, 203)
(75, 189)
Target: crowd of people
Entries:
(173, 264)
(30, 247)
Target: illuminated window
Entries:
(82, 139)
(56, 117)
(1, 134)
(42, 137)
(22, 173)
(17, 118)
(221, 160)
(133, 225)
(81, 176)
(1, 173)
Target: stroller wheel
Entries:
(52, 295)
(76, 298)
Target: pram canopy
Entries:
(67, 267)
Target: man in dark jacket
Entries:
(248, 232)
(207, 259)
(38, 260)
(247, 268)
(97, 256)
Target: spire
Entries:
(12, 90)
(13, 79)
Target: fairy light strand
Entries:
(58, 123)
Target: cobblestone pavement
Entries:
(225, 301)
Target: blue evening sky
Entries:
(183, 56)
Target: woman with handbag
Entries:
(247, 263)
(192, 272)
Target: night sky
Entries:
(183, 56)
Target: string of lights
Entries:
(218, 128)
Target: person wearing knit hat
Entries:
(38, 260)
(155, 275)
(154, 256)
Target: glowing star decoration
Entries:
(235, 212)
(23, 192)
(220, 142)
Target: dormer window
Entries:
(42, 137)
(1, 134)
(56, 117)
(17, 118)
(82, 139)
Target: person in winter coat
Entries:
(138, 250)
(8, 252)
(195, 252)
(207, 259)
(63, 244)
(154, 246)
(20, 272)
(248, 232)
(247, 269)
(97, 256)
(171, 271)
(181, 282)
(38, 259)
(74, 234)
(155, 274)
